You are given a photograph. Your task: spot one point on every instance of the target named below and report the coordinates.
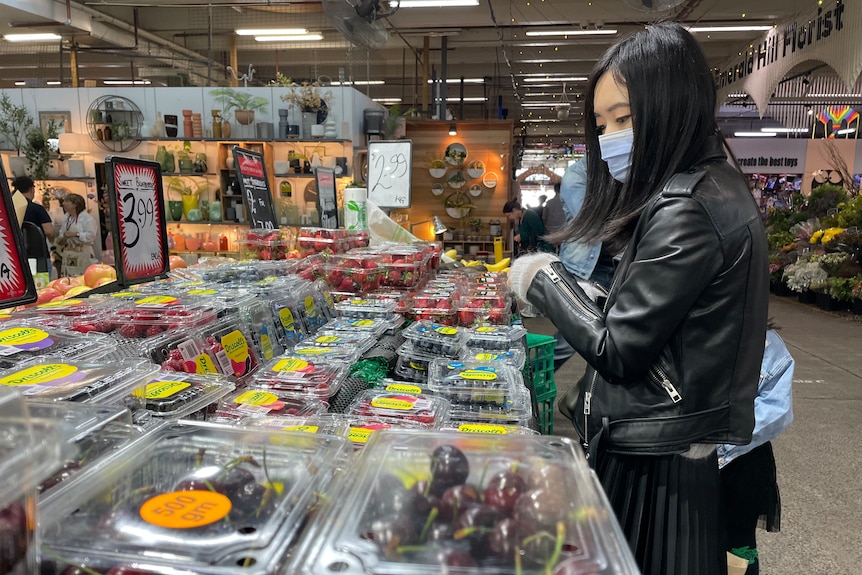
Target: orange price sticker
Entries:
(185, 509)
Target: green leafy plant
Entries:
(38, 152)
(825, 197)
(236, 100)
(395, 119)
(281, 80)
(15, 123)
(850, 213)
(841, 288)
(354, 184)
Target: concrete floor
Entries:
(819, 457)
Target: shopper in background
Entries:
(76, 236)
(19, 202)
(749, 486)
(674, 354)
(553, 216)
(35, 213)
(540, 209)
(530, 228)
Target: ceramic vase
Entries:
(308, 120)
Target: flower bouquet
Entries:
(307, 97)
(801, 274)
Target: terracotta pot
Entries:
(244, 117)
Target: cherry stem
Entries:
(535, 537)
(134, 493)
(518, 569)
(484, 471)
(558, 548)
(468, 531)
(199, 458)
(431, 517)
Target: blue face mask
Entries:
(617, 152)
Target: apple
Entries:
(95, 272)
(177, 262)
(63, 285)
(103, 281)
(46, 295)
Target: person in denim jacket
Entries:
(580, 258)
(749, 489)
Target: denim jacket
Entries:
(579, 257)
(773, 406)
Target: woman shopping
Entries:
(674, 352)
(75, 237)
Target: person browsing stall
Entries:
(674, 353)
(530, 227)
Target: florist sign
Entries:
(828, 33)
(777, 156)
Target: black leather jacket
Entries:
(674, 354)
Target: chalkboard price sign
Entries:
(138, 224)
(389, 171)
(16, 282)
(255, 188)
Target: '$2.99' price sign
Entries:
(138, 221)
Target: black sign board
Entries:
(16, 281)
(138, 223)
(251, 173)
(327, 199)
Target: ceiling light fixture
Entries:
(126, 82)
(785, 130)
(470, 99)
(458, 80)
(359, 83)
(20, 83)
(453, 130)
(271, 32)
(304, 38)
(42, 37)
(437, 3)
(53, 83)
(846, 131)
(564, 79)
(695, 29)
(754, 134)
(571, 32)
(834, 96)
(387, 100)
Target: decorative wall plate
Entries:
(475, 190)
(490, 180)
(476, 168)
(456, 180)
(437, 189)
(456, 153)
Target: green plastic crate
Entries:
(539, 378)
(540, 360)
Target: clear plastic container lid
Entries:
(486, 428)
(413, 364)
(339, 345)
(107, 383)
(363, 428)
(196, 498)
(373, 327)
(304, 375)
(152, 315)
(517, 410)
(258, 319)
(231, 348)
(322, 423)
(514, 357)
(473, 382)
(497, 337)
(20, 342)
(425, 411)
(254, 403)
(436, 339)
(537, 509)
(173, 395)
(362, 308)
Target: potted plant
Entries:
(800, 275)
(38, 152)
(476, 169)
(457, 206)
(856, 294)
(475, 224)
(189, 191)
(15, 123)
(355, 215)
(243, 104)
(313, 104)
(437, 168)
(456, 180)
(394, 126)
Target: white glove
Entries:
(524, 270)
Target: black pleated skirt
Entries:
(669, 509)
(750, 494)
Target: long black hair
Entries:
(673, 104)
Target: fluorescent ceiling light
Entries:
(694, 29)
(303, 38)
(846, 131)
(126, 82)
(785, 130)
(359, 83)
(754, 134)
(458, 80)
(740, 95)
(20, 83)
(834, 96)
(436, 3)
(539, 120)
(43, 37)
(271, 32)
(538, 104)
(570, 32)
(561, 79)
(546, 61)
(53, 83)
(472, 99)
(387, 100)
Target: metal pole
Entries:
(441, 109)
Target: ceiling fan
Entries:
(361, 21)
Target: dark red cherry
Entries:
(540, 509)
(456, 499)
(449, 467)
(503, 540)
(503, 491)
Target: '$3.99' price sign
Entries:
(138, 222)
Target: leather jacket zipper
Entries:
(573, 297)
(663, 380)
